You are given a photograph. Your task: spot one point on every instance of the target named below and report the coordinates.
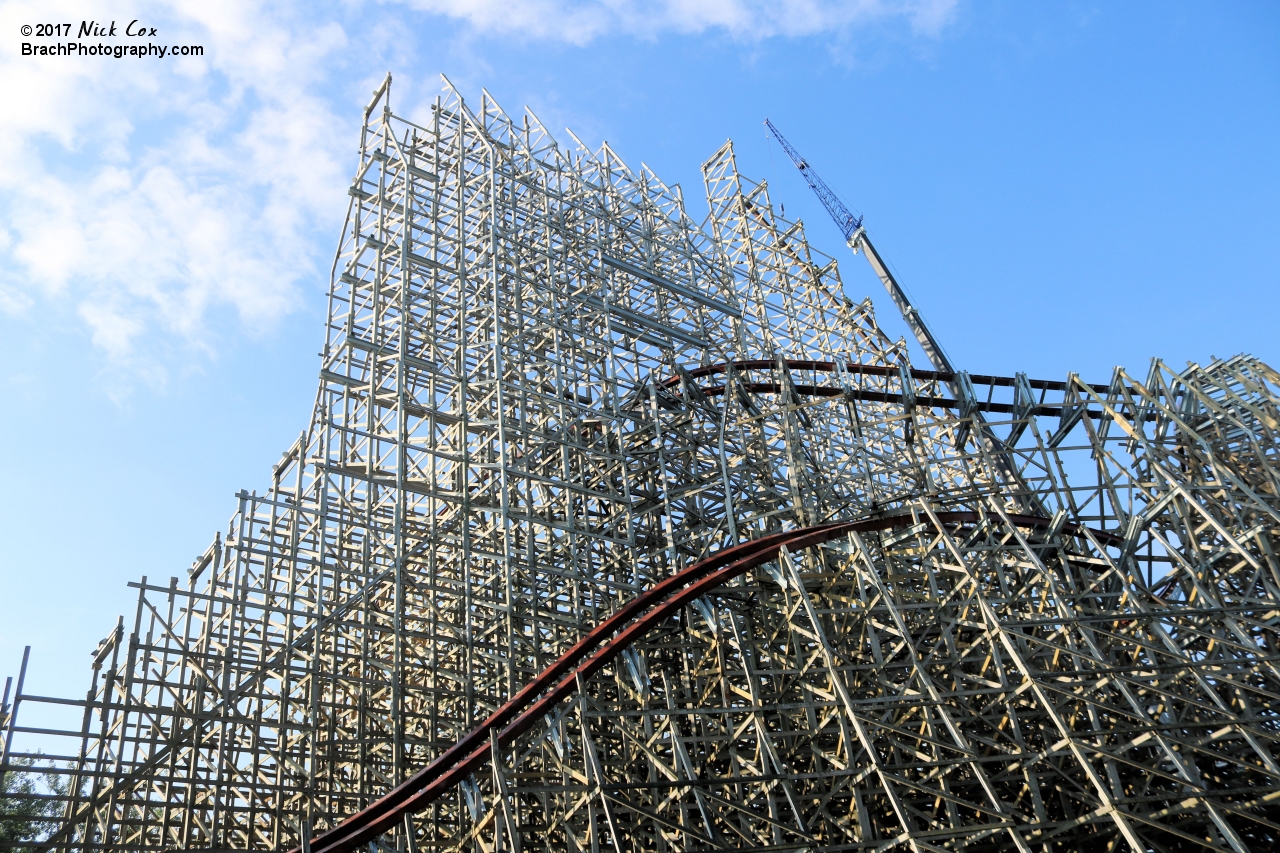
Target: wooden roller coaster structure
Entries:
(614, 530)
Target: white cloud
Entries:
(145, 192)
(145, 195)
(581, 21)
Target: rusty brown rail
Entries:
(592, 653)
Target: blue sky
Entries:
(1060, 187)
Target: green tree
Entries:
(26, 812)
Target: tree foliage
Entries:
(26, 811)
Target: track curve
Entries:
(592, 653)
(868, 395)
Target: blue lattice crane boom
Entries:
(856, 238)
(845, 221)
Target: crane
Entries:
(855, 236)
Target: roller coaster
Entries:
(617, 530)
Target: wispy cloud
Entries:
(146, 195)
(146, 192)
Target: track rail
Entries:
(874, 370)
(591, 654)
(1042, 385)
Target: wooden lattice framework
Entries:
(546, 389)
